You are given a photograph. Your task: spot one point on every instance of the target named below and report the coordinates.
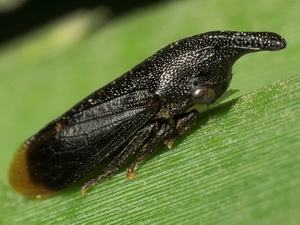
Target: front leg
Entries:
(183, 122)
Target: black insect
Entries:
(135, 114)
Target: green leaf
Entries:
(238, 165)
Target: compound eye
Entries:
(204, 96)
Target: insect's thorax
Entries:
(175, 94)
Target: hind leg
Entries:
(134, 145)
(165, 131)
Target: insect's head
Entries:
(216, 53)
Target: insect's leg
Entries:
(165, 131)
(183, 122)
(134, 145)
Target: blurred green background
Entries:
(45, 72)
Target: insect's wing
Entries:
(68, 148)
